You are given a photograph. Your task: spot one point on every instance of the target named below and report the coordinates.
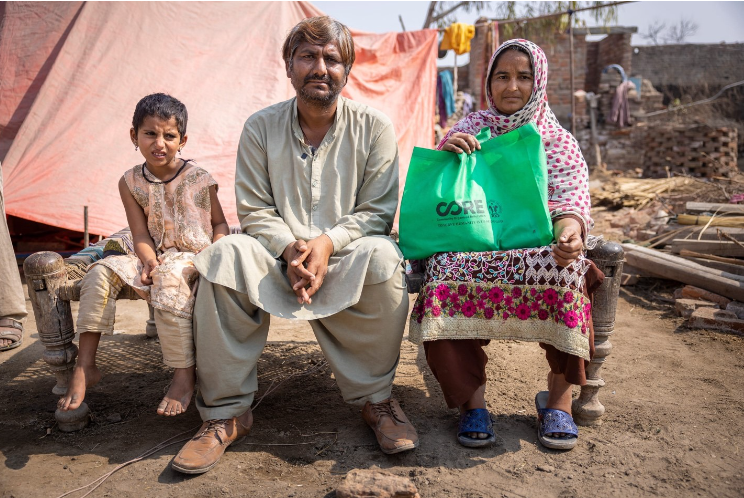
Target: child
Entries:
(173, 213)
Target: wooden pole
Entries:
(571, 70)
(684, 271)
(86, 236)
(454, 83)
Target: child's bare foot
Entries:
(83, 377)
(179, 394)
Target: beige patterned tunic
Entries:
(179, 220)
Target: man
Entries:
(317, 188)
(12, 301)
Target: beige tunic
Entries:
(180, 223)
(347, 189)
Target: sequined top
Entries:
(178, 213)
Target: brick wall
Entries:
(690, 65)
(613, 49)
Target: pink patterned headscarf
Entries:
(568, 174)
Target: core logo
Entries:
(460, 207)
(494, 209)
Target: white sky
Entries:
(717, 21)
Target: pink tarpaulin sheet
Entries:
(72, 72)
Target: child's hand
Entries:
(147, 269)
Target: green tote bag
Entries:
(493, 199)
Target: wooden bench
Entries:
(54, 282)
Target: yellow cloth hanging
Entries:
(457, 37)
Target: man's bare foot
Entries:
(83, 377)
(179, 394)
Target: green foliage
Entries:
(445, 13)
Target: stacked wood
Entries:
(701, 151)
(663, 265)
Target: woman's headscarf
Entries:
(568, 174)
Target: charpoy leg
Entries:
(608, 257)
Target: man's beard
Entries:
(312, 98)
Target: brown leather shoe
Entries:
(393, 430)
(205, 449)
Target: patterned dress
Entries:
(179, 220)
(518, 294)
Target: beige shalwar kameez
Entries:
(346, 189)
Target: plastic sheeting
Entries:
(71, 74)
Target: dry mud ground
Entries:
(673, 425)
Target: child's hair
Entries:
(163, 106)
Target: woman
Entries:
(538, 294)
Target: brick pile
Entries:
(700, 150)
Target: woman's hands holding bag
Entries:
(569, 243)
(461, 142)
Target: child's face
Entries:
(158, 140)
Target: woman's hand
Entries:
(461, 142)
(569, 243)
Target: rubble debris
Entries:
(376, 484)
(685, 307)
(709, 318)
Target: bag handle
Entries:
(482, 136)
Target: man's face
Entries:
(317, 73)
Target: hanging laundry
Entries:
(445, 97)
(467, 103)
(620, 114)
(457, 37)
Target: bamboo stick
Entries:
(729, 221)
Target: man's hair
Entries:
(320, 31)
(162, 106)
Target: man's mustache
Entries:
(318, 78)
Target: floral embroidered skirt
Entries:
(519, 294)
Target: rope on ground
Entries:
(147, 453)
(168, 442)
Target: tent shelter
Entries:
(72, 72)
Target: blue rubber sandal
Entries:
(550, 421)
(475, 420)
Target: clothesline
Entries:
(547, 16)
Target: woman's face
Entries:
(511, 82)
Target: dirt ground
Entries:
(673, 425)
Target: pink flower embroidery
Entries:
(496, 295)
(428, 303)
(451, 312)
(480, 304)
(436, 310)
(568, 296)
(533, 291)
(462, 289)
(523, 311)
(550, 296)
(571, 319)
(542, 314)
(516, 292)
(468, 309)
(508, 300)
(488, 313)
(442, 292)
(505, 315)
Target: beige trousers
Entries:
(97, 314)
(361, 344)
(12, 300)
